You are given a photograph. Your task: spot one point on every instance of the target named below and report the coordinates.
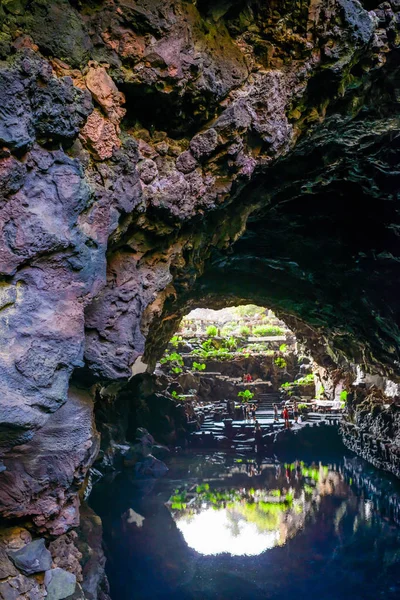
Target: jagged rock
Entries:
(7, 568)
(32, 558)
(66, 555)
(41, 474)
(256, 162)
(21, 587)
(59, 584)
(150, 467)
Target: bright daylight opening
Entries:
(239, 373)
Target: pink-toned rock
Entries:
(100, 135)
(106, 93)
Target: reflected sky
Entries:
(223, 527)
(248, 521)
(215, 531)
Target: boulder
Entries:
(59, 584)
(32, 558)
(150, 467)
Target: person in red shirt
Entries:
(285, 415)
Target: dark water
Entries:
(237, 529)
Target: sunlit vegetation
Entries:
(265, 331)
(302, 381)
(198, 366)
(280, 362)
(175, 362)
(246, 395)
(244, 330)
(175, 341)
(227, 340)
(211, 331)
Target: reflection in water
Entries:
(214, 532)
(249, 521)
(217, 527)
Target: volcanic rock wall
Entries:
(158, 155)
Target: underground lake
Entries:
(218, 526)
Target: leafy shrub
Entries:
(265, 330)
(220, 354)
(174, 357)
(248, 310)
(283, 348)
(174, 341)
(246, 395)
(280, 362)
(198, 366)
(302, 407)
(307, 379)
(211, 331)
(257, 348)
(177, 396)
(229, 343)
(207, 345)
(176, 370)
(343, 396)
(244, 330)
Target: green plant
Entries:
(229, 343)
(343, 396)
(265, 330)
(306, 380)
(248, 310)
(283, 348)
(198, 366)
(176, 370)
(261, 348)
(171, 358)
(177, 396)
(220, 354)
(211, 331)
(207, 345)
(174, 341)
(280, 362)
(246, 395)
(244, 330)
(302, 407)
(179, 500)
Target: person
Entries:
(249, 378)
(295, 412)
(253, 411)
(285, 415)
(276, 412)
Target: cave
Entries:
(164, 156)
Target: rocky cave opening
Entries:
(160, 156)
